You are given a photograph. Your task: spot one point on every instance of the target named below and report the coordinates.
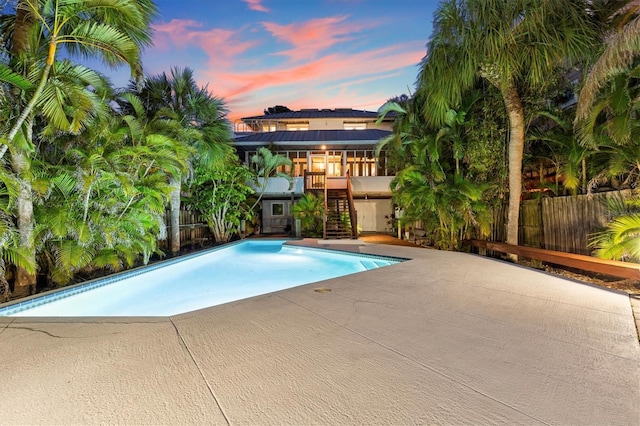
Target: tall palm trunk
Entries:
(515, 112)
(175, 216)
(25, 282)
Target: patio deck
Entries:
(445, 338)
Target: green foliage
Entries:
(221, 194)
(436, 184)
(267, 164)
(620, 239)
(11, 252)
(177, 96)
(513, 45)
(309, 209)
(101, 206)
(114, 31)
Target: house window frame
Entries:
(273, 209)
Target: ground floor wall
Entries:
(276, 216)
(374, 215)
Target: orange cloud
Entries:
(331, 68)
(314, 36)
(326, 83)
(321, 73)
(256, 5)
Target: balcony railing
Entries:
(314, 181)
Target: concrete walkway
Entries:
(445, 338)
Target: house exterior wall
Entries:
(276, 216)
(371, 186)
(332, 123)
(371, 215)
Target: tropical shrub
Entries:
(309, 209)
(222, 194)
(620, 239)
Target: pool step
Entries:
(374, 264)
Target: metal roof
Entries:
(316, 113)
(312, 136)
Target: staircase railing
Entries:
(353, 214)
(319, 182)
(325, 210)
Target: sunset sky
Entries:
(302, 54)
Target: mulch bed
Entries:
(626, 285)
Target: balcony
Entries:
(362, 186)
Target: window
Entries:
(354, 126)
(277, 209)
(297, 126)
(268, 127)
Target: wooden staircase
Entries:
(337, 215)
(340, 216)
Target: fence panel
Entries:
(193, 229)
(569, 221)
(560, 223)
(530, 228)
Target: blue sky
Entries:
(298, 53)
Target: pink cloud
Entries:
(221, 44)
(321, 76)
(327, 69)
(326, 83)
(256, 5)
(312, 37)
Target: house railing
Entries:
(314, 181)
(353, 214)
(324, 211)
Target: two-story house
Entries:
(333, 153)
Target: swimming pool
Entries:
(232, 272)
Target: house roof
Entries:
(316, 113)
(311, 137)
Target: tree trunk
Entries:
(584, 174)
(175, 216)
(25, 283)
(24, 21)
(515, 112)
(4, 289)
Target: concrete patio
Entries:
(445, 338)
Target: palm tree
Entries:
(511, 44)
(112, 30)
(103, 198)
(267, 164)
(309, 209)
(621, 48)
(433, 187)
(11, 252)
(620, 239)
(612, 132)
(195, 108)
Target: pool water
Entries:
(233, 272)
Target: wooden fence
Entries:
(559, 223)
(193, 230)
